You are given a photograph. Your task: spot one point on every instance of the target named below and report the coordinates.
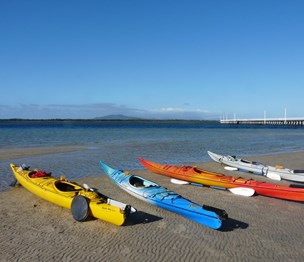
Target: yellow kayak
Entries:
(82, 201)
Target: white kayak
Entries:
(272, 172)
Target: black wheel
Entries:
(80, 208)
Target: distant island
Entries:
(117, 117)
(107, 118)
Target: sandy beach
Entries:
(258, 228)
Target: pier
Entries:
(291, 121)
(299, 121)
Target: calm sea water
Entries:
(120, 143)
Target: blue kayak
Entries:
(159, 196)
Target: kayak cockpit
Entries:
(250, 162)
(232, 158)
(66, 186)
(140, 182)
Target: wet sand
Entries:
(258, 229)
(14, 153)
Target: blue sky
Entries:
(155, 59)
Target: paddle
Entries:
(88, 188)
(230, 168)
(270, 175)
(242, 191)
(273, 176)
(181, 182)
(121, 205)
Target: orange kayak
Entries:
(212, 179)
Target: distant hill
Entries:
(116, 117)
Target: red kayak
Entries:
(201, 176)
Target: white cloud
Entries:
(182, 110)
(181, 113)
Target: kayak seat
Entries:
(247, 161)
(136, 182)
(65, 187)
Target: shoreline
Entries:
(258, 229)
(24, 152)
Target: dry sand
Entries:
(259, 228)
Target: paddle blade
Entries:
(273, 176)
(179, 182)
(230, 168)
(242, 191)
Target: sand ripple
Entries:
(259, 229)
